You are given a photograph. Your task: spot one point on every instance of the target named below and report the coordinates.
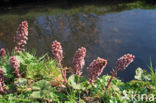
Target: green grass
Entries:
(153, 73)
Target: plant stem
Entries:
(63, 72)
(110, 80)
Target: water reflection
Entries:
(108, 36)
(72, 31)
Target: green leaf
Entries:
(77, 82)
(36, 94)
(42, 57)
(42, 84)
(20, 82)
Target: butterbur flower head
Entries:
(1, 76)
(57, 51)
(23, 29)
(2, 52)
(124, 61)
(21, 37)
(15, 64)
(96, 68)
(78, 60)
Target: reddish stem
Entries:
(17, 73)
(63, 73)
(110, 80)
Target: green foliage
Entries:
(77, 82)
(43, 90)
(33, 71)
(14, 98)
(142, 74)
(152, 73)
(41, 80)
(8, 71)
(20, 83)
(114, 94)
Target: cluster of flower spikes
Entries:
(1, 81)
(124, 61)
(96, 68)
(21, 37)
(2, 52)
(78, 60)
(15, 64)
(57, 51)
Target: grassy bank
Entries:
(41, 81)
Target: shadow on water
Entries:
(108, 32)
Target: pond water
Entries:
(108, 34)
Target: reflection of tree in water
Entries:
(72, 31)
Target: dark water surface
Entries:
(107, 35)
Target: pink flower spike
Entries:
(96, 68)
(78, 60)
(57, 51)
(2, 52)
(15, 64)
(21, 37)
(124, 61)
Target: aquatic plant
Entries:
(78, 60)
(21, 37)
(2, 52)
(1, 81)
(96, 67)
(122, 63)
(15, 64)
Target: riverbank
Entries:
(53, 7)
(26, 78)
(67, 3)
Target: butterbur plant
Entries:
(78, 60)
(122, 63)
(21, 37)
(1, 81)
(15, 64)
(58, 56)
(2, 52)
(96, 68)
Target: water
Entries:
(108, 34)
